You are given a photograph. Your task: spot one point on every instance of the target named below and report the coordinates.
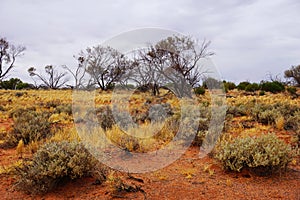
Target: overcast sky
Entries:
(251, 38)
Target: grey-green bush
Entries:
(265, 154)
(52, 164)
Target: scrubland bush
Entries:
(292, 90)
(238, 110)
(199, 90)
(105, 117)
(264, 155)
(229, 86)
(252, 87)
(54, 163)
(262, 93)
(274, 87)
(64, 108)
(29, 125)
(243, 85)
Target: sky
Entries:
(251, 38)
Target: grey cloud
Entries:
(250, 38)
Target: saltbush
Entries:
(29, 125)
(105, 117)
(265, 154)
(52, 164)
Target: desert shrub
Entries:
(17, 112)
(252, 87)
(292, 122)
(274, 87)
(64, 108)
(238, 110)
(28, 126)
(22, 86)
(19, 94)
(262, 93)
(52, 164)
(53, 103)
(243, 85)
(105, 117)
(199, 90)
(102, 115)
(229, 86)
(292, 90)
(123, 119)
(264, 155)
(268, 116)
(160, 112)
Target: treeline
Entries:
(173, 63)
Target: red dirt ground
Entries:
(172, 182)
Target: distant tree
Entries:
(10, 84)
(13, 84)
(229, 85)
(212, 83)
(79, 73)
(53, 78)
(293, 73)
(243, 85)
(184, 54)
(105, 66)
(8, 55)
(147, 71)
(175, 60)
(274, 86)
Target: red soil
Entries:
(173, 182)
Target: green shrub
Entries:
(229, 86)
(252, 87)
(292, 90)
(264, 155)
(29, 125)
(54, 163)
(274, 87)
(199, 90)
(292, 122)
(243, 85)
(64, 108)
(237, 111)
(262, 93)
(268, 117)
(22, 86)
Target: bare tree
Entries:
(8, 55)
(105, 66)
(184, 54)
(145, 75)
(293, 73)
(175, 60)
(79, 73)
(53, 78)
